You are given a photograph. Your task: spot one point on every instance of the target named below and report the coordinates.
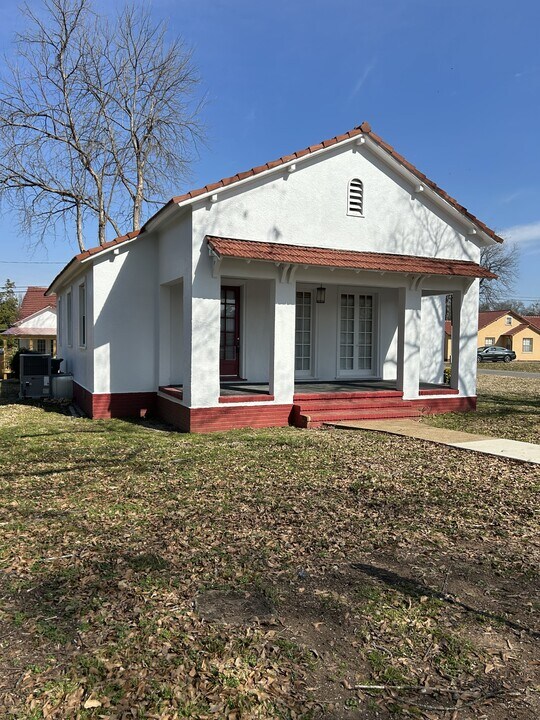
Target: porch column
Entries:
(202, 297)
(409, 333)
(464, 339)
(283, 308)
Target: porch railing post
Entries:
(283, 305)
(464, 339)
(409, 334)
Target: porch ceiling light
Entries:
(320, 296)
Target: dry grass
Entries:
(507, 407)
(260, 574)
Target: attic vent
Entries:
(356, 198)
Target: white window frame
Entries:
(508, 320)
(82, 325)
(59, 320)
(489, 341)
(310, 372)
(529, 349)
(69, 318)
(357, 373)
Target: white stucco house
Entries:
(308, 289)
(35, 328)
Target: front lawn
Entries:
(261, 574)
(508, 407)
(514, 366)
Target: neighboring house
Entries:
(307, 289)
(35, 328)
(507, 329)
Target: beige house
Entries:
(507, 329)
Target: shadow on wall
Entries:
(125, 329)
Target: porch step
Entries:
(304, 398)
(327, 416)
(347, 404)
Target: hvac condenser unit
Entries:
(35, 375)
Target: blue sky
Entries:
(454, 86)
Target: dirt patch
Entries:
(234, 608)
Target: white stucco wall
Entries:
(125, 330)
(309, 207)
(77, 360)
(43, 319)
(432, 338)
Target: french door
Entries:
(356, 340)
(303, 334)
(229, 338)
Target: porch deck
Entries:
(233, 391)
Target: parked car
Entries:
(494, 353)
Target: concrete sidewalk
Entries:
(409, 427)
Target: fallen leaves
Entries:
(114, 540)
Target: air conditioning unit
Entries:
(35, 375)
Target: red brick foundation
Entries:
(114, 405)
(314, 411)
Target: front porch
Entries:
(314, 404)
(254, 342)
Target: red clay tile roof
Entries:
(533, 320)
(34, 300)
(363, 129)
(385, 262)
(30, 332)
(489, 316)
(516, 329)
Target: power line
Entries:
(33, 262)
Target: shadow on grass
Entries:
(416, 589)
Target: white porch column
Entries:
(202, 298)
(464, 339)
(409, 334)
(283, 307)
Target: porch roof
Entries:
(30, 332)
(347, 259)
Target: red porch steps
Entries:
(315, 409)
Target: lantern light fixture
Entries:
(320, 296)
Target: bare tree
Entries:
(95, 118)
(503, 260)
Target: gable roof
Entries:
(533, 320)
(489, 316)
(521, 327)
(360, 131)
(347, 259)
(34, 300)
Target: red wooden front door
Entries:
(229, 344)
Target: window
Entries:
(303, 332)
(508, 320)
(82, 315)
(355, 199)
(69, 318)
(41, 348)
(490, 341)
(59, 320)
(527, 345)
(51, 342)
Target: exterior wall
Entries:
(432, 341)
(77, 360)
(500, 328)
(309, 207)
(125, 330)
(43, 319)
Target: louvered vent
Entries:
(356, 198)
